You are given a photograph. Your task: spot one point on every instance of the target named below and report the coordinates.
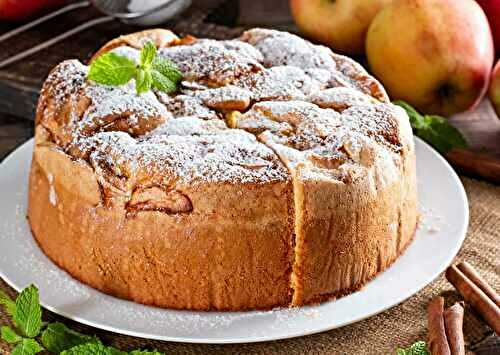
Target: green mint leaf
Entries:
(417, 348)
(112, 69)
(447, 136)
(27, 347)
(167, 68)
(148, 54)
(57, 337)
(10, 305)
(416, 119)
(152, 71)
(435, 130)
(162, 83)
(9, 335)
(114, 351)
(28, 315)
(143, 81)
(92, 349)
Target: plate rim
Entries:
(257, 339)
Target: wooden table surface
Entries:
(13, 132)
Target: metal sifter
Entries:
(136, 12)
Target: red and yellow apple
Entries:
(435, 54)
(494, 91)
(340, 24)
(492, 10)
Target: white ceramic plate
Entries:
(445, 218)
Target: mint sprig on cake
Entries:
(152, 71)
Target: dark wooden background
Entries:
(21, 81)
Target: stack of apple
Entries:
(436, 55)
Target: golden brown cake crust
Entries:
(279, 175)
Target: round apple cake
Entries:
(278, 174)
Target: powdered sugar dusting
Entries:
(128, 52)
(279, 83)
(340, 98)
(282, 48)
(209, 61)
(182, 137)
(63, 83)
(189, 125)
(231, 156)
(322, 142)
(431, 221)
(226, 97)
(186, 105)
(52, 190)
(108, 104)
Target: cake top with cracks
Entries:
(283, 90)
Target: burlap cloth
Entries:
(380, 334)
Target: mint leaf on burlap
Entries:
(27, 347)
(28, 314)
(99, 349)
(92, 349)
(417, 348)
(433, 129)
(57, 337)
(8, 303)
(112, 69)
(9, 335)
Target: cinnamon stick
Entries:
(474, 276)
(453, 321)
(475, 296)
(438, 341)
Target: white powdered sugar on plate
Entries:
(431, 220)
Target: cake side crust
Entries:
(238, 260)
